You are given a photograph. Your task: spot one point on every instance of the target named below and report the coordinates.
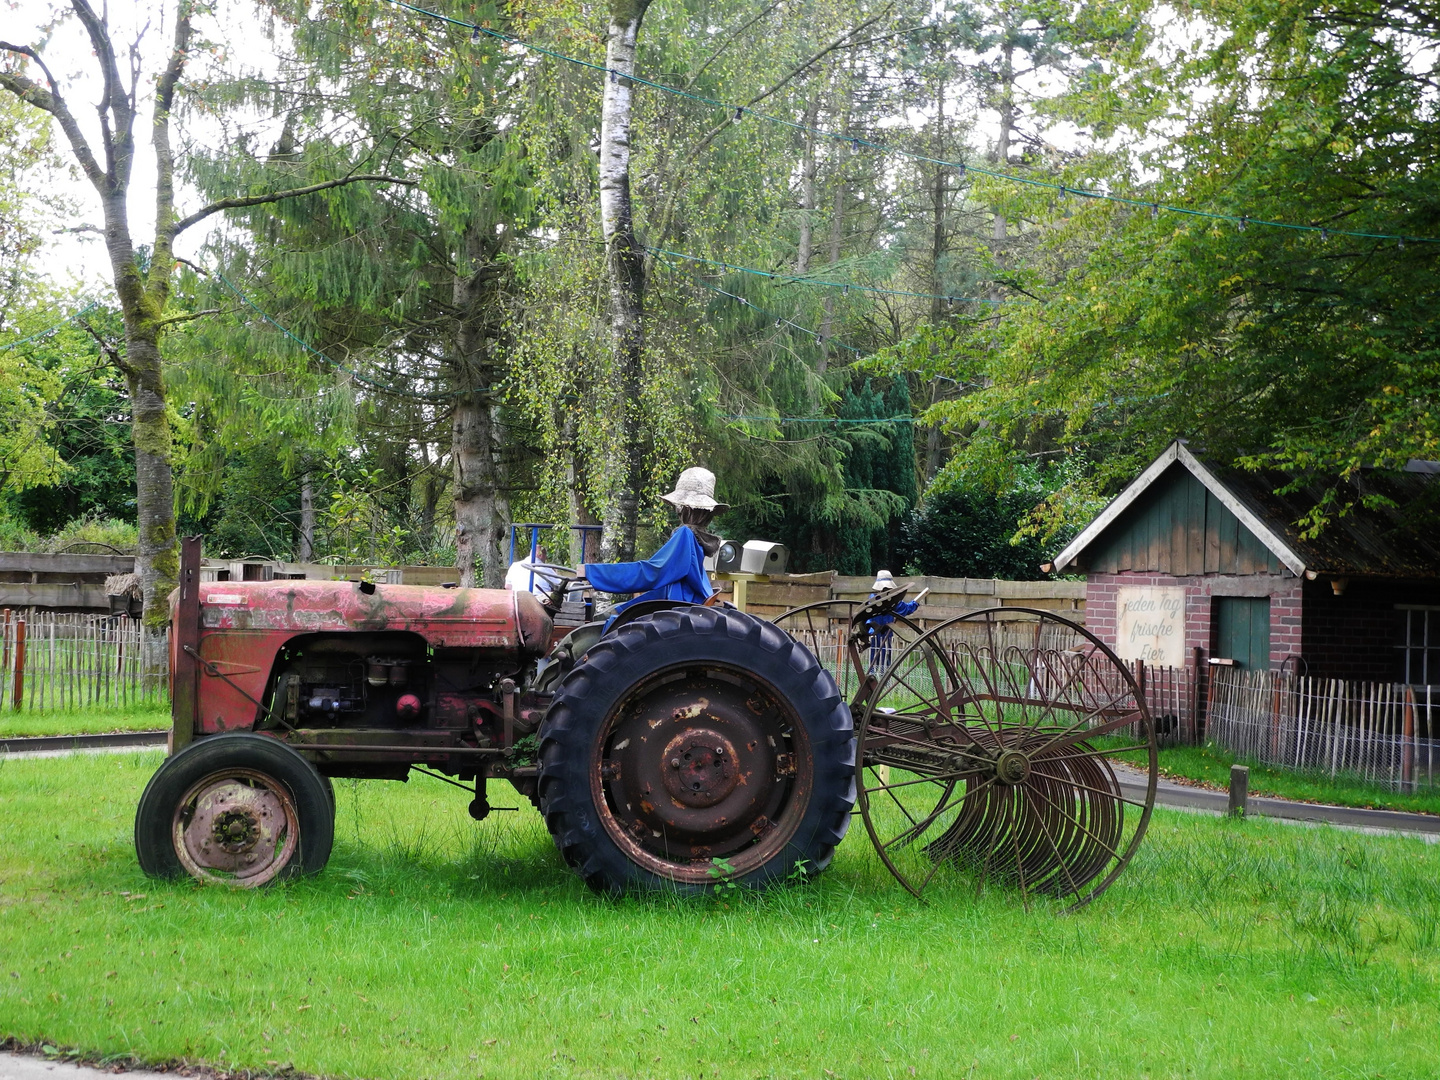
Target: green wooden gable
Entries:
(1177, 526)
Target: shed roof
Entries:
(1395, 541)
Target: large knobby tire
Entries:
(694, 746)
(239, 809)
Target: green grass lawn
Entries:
(435, 947)
(1210, 764)
(85, 721)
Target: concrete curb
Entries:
(1185, 797)
(51, 743)
(22, 1067)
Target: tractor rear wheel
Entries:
(695, 746)
(238, 809)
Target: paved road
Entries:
(1185, 797)
(21, 1067)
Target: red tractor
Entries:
(666, 747)
(680, 736)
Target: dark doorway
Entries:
(1242, 630)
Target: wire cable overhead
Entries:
(50, 329)
(1240, 221)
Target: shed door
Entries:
(1242, 630)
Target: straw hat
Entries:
(696, 487)
(883, 580)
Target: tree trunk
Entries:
(584, 543)
(625, 269)
(806, 245)
(938, 244)
(1007, 124)
(482, 505)
(937, 208)
(158, 560)
(837, 236)
(305, 542)
(481, 509)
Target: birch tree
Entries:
(625, 276)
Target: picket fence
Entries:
(1383, 733)
(52, 661)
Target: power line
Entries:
(779, 319)
(740, 111)
(50, 329)
(801, 280)
(838, 420)
(357, 376)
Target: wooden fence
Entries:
(54, 661)
(1174, 698)
(1383, 733)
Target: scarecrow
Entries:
(677, 570)
(882, 636)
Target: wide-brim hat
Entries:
(696, 487)
(883, 580)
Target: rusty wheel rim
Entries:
(979, 753)
(236, 827)
(698, 763)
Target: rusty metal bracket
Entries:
(213, 670)
(507, 692)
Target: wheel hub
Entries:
(701, 767)
(239, 827)
(1012, 767)
(236, 830)
(699, 764)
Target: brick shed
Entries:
(1195, 557)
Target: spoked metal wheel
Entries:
(983, 754)
(856, 661)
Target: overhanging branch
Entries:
(278, 196)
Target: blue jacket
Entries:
(675, 572)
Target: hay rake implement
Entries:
(984, 745)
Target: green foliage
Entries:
(86, 430)
(1118, 330)
(89, 534)
(968, 532)
(1265, 346)
(847, 517)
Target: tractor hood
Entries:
(447, 618)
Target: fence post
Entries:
(4, 651)
(19, 698)
(1239, 790)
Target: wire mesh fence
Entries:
(1382, 733)
(52, 661)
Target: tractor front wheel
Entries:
(239, 809)
(695, 746)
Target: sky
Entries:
(78, 257)
(72, 257)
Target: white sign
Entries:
(1150, 624)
